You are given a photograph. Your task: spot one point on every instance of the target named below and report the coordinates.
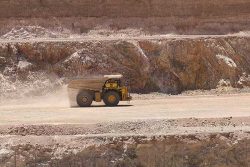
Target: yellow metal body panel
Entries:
(124, 91)
(111, 85)
(98, 97)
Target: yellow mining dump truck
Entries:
(108, 88)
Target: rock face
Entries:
(164, 16)
(196, 64)
(111, 57)
(181, 150)
(164, 65)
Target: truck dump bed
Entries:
(95, 83)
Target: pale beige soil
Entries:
(115, 37)
(41, 130)
(55, 109)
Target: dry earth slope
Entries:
(169, 65)
(156, 16)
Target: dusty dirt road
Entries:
(121, 37)
(47, 132)
(50, 110)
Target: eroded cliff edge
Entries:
(169, 65)
(153, 16)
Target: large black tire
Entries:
(111, 98)
(84, 99)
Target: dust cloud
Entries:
(58, 98)
(40, 91)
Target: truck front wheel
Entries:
(111, 98)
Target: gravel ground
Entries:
(140, 127)
(191, 129)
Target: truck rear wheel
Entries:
(84, 99)
(111, 98)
